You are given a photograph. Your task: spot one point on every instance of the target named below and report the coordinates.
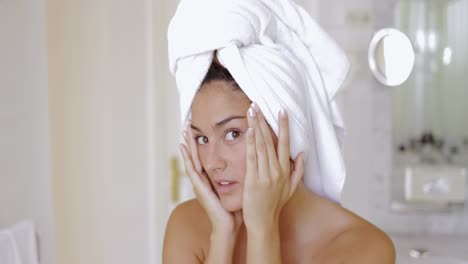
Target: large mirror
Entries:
(425, 58)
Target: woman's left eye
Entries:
(232, 135)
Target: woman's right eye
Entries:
(201, 140)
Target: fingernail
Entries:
(283, 113)
(251, 111)
(255, 106)
(250, 131)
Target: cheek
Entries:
(202, 156)
(238, 159)
(233, 154)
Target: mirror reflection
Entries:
(430, 127)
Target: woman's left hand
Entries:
(269, 180)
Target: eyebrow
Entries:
(221, 123)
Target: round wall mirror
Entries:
(391, 56)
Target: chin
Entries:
(232, 204)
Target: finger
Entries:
(193, 153)
(202, 188)
(204, 178)
(262, 157)
(274, 167)
(251, 167)
(284, 142)
(188, 156)
(189, 168)
(298, 173)
(186, 136)
(194, 150)
(199, 182)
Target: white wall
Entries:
(346, 21)
(166, 115)
(102, 143)
(24, 122)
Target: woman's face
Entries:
(219, 125)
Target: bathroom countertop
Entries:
(435, 246)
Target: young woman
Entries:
(252, 206)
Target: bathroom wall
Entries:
(351, 24)
(25, 173)
(104, 160)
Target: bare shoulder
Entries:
(187, 232)
(358, 241)
(362, 244)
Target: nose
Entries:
(214, 159)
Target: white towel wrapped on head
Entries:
(281, 58)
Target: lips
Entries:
(225, 186)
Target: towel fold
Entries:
(18, 244)
(9, 253)
(25, 237)
(281, 58)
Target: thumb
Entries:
(298, 172)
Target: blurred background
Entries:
(89, 127)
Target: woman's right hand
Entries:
(222, 221)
